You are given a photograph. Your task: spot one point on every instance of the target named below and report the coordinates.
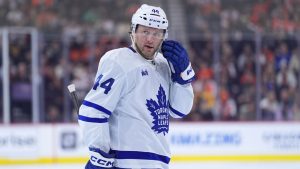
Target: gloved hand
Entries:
(178, 59)
(99, 159)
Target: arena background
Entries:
(245, 53)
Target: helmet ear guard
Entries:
(150, 16)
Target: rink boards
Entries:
(190, 142)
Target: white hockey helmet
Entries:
(150, 16)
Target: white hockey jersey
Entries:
(127, 111)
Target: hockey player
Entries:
(125, 116)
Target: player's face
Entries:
(148, 40)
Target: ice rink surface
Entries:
(206, 165)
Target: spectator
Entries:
(268, 77)
(283, 56)
(295, 61)
(270, 107)
(286, 78)
(296, 108)
(247, 107)
(226, 106)
(21, 95)
(54, 115)
(286, 104)
(205, 90)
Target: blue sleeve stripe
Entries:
(92, 120)
(140, 155)
(176, 112)
(96, 106)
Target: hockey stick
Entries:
(72, 91)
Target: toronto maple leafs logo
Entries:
(160, 112)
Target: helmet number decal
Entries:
(106, 85)
(155, 11)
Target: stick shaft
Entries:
(72, 91)
(75, 101)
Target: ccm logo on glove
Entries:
(99, 159)
(189, 71)
(101, 162)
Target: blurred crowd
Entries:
(243, 16)
(247, 59)
(245, 53)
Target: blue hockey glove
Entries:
(178, 59)
(99, 159)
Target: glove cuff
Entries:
(185, 77)
(101, 159)
(188, 73)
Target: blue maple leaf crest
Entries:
(159, 111)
